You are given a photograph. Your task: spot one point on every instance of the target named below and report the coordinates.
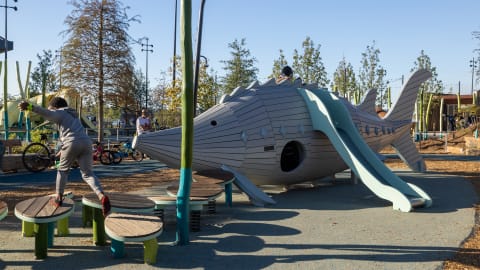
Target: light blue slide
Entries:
(357, 154)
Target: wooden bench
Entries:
(196, 206)
(3, 210)
(123, 227)
(217, 176)
(43, 214)
(120, 202)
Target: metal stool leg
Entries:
(27, 229)
(99, 236)
(41, 242)
(118, 249)
(211, 207)
(62, 227)
(150, 249)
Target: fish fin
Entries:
(368, 102)
(408, 152)
(403, 108)
(256, 195)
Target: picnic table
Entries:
(41, 212)
(120, 202)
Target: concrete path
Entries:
(341, 226)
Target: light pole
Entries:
(473, 65)
(5, 83)
(174, 46)
(146, 50)
(59, 52)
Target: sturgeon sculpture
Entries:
(289, 133)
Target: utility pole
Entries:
(146, 50)
(473, 65)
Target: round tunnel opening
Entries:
(292, 156)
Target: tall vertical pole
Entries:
(473, 66)
(183, 196)
(174, 47)
(147, 50)
(197, 57)
(5, 80)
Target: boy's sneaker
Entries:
(105, 205)
(56, 201)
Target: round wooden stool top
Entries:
(3, 209)
(214, 176)
(121, 202)
(132, 228)
(198, 190)
(169, 200)
(42, 210)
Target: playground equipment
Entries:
(288, 133)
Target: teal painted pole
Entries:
(183, 196)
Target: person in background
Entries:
(143, 123)
(287, 74)
(76, 146)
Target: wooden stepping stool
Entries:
(123, 227)
(217, 176)
(209, 191)
(42, 215)
(196, 206)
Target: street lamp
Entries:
(59, 53)
(473, 65)
(146, 50)
(5, 84)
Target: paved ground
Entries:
(339, 226)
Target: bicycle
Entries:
(125, 150)
(38, 156)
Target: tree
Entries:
(372, 75)
(278, 64)
(43, 77)
(476, 35)
(207, 89)
(344, 81)
(308, 65)
(97, 59)
(240, 69)
(427, 90)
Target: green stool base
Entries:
(150, 250)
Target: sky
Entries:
(342, 28)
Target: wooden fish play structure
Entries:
(288, 133)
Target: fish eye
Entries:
(213, 123)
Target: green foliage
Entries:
(278, 64)
(96, 58)
(308, 64)
(430, 88)
(372, 75)
(43, 76)
(344, 80)
(240, 69)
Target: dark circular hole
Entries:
(213, 123)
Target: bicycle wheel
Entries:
(137, 155)
(106, 158)
(36, 157)
(117, 157)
